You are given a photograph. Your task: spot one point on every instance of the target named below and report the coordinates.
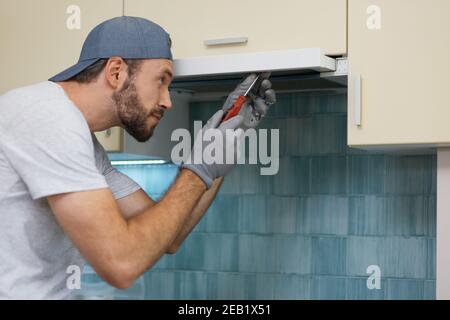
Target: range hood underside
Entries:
(291, 70)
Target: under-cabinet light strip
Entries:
(136, 162)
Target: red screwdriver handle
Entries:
(234, 110)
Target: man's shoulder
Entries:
(43, 102)
(31, 93)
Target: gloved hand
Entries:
(255, 108)
(208, 169)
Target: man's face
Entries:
(144, 97)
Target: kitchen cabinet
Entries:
(202, 27)
(399, 73)
(111, 139)
(41, 38)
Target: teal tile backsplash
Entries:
(311, 231)
(329, 256)
(328, 288)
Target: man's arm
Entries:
(139, 201)
(198, 212)
(121, 250)
(134, 204)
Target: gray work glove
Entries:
(208, 169)
(255, 108)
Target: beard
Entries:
(132, 113)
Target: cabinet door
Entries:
(39, 39)
(111, 139)
(267, 25)
(401, 50)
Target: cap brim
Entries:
(73, 70)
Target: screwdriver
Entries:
(234, 110)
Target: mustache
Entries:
(159, 112)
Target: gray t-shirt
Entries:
(46, 148)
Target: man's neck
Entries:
(94, 104)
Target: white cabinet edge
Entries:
(283, 60)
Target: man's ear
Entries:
(115, 72)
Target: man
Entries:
(61, 201)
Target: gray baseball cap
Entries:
(126, 37)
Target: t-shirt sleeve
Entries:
(52, 150)
(120, 184)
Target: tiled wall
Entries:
(311, 231)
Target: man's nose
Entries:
(166, 102)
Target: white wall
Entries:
(443, 225)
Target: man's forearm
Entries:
(157, 227)
(197, 213)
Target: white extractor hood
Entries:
(211, 78)
(218, 66)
